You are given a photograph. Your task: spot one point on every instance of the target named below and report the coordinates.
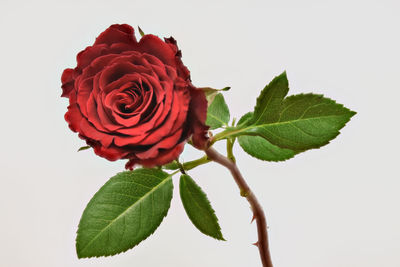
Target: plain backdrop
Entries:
(333, 207)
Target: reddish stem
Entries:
(246, 192)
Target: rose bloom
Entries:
(134, 100)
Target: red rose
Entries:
(134, 100)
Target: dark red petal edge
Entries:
(67, 80)
(117, 33)
(197, 118)
(183, 72)
(164, 157)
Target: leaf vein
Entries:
(216, 118)
(125, 211)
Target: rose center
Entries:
(129, 100)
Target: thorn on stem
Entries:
(252, 219)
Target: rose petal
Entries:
(171, 72)
(93, 115)
(167, 143)
(197, 116)
(111, 153)
(91, 132)
(117, 33)
(180, 104)
(115, 72)
(123, 48)
(182, 70)
(84, 91)
(96, 66)
(85, 57)
(138, 131)
(67, 80)
(104, 118)
(164, 157)
(153, 45)
(73, 116)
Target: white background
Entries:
(333, 207)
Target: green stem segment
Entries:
(194, 163)
(187, 165)
(229, 149)
(246, 192)
(224, 134)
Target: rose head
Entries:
(134, 100)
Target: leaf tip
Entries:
(141, 31)
(83, 148)
(79, 253)
(221, 238)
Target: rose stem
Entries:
(246, 192)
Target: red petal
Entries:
(105, 119)
(197, 118)
(84, 90)
(117, 33)
(97, 65)
(91, 132)
(85, 57)
(115, 72)
(67, 80)
(163, 158)
(166, 143)
(183, 113)
(179, 104)
(152, 120)
(73, 116)
(153, 45)
(183, 72)
(139, 131)
(110, 104)
(111, 153)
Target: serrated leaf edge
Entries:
(244, 127)
(264, 91)
(221, 122)
(221, 238)
(252, 155)
(167, 179)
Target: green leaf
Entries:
(298, 122)
(83, 148)
(305, 122)
(217, 113)
(125, 211)
(171, 166)
(260, 148)
(212, 92)
(245, 118)
(270, 99)
(198, 208)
